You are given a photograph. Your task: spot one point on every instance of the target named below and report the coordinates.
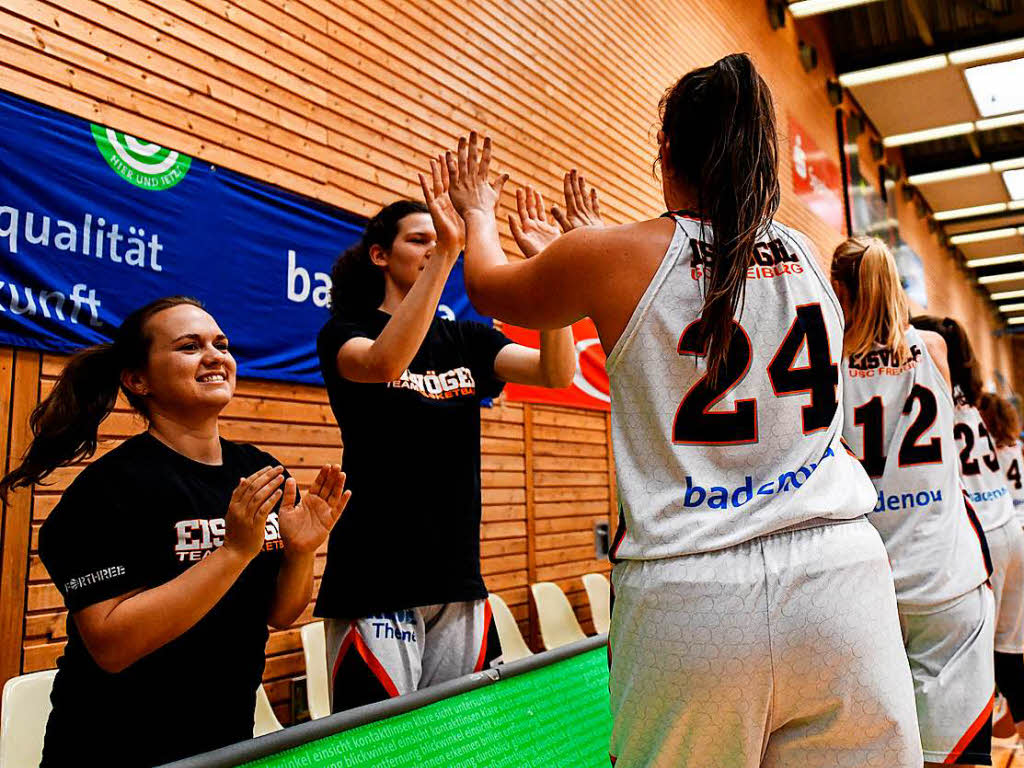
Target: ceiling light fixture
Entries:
(1005, 121)
(992, 261)
(950, 173)
(1014, 181)
(995, 87)
(1007, 295)
(986, 234)
(803, 8)
(892, 71)
(1003, 278)
(928, 134)
(1008, 165)
(1015, 320)
(985, 52)
(974, 210)
(1011, 308)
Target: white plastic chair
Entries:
(266, 721)
(26, 708)
(558, 624)
(513, 647)
(599, 594)
(314, 651)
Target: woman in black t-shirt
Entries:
(173, 551)
(402, 594)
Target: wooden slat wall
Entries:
(343, 100)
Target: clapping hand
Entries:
(468, 188)
(530, 226)
(450, 228)
(581, 206)
(305, 526)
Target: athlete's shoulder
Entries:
(624, 234)
(936, 347)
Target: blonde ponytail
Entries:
(880, 311)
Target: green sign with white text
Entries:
(553, 717)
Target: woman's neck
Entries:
(196, 439)
(393, 297)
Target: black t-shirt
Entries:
(137, 518)
(410, 535)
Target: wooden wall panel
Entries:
(343, 101)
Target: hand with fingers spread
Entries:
(530, 226)
(469, 189)
(305, 526)
(581, 206)
(245, 524)
(450, 228)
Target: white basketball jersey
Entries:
(1012, 462)
(899, 422)
(980, 470)
(701, 465)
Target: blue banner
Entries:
(94, 223)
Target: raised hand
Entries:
(469, 189)
(530, 228)
(306, 525)
(581, 206)
(451, 230)
(245, 523)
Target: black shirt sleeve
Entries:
(93, 546)
(484, 342)
(333, 336)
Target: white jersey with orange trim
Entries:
(980, 470)
(899, 421)
(706, 465)
(1011, 460)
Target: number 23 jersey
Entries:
(705, 465)
(899, 422)
(980, 468)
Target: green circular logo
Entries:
(141, 163)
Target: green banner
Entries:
(552, 717)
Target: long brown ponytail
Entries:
(65, 425)
(880, 311)
(718, 125)
(964, 367)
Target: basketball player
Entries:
(1003, 424)
(755, 617)
(899, 421)
(986, 488)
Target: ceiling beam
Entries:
(923, 30)
(972, 141)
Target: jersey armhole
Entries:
(675, 250)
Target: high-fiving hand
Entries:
(468, 188)
(530, 226)
(581, 206)
(450, 228)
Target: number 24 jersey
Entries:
(703, 465)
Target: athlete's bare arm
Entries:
(937, 350)
(373, 361)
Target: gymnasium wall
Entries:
(343, 100)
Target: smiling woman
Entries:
(169, 549)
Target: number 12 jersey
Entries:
(899, 422)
